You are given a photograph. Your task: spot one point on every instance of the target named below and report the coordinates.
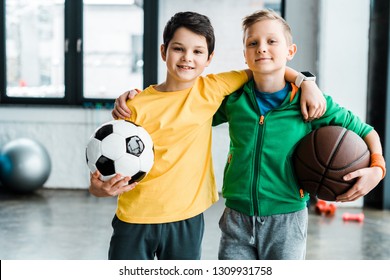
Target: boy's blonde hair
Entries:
(248, 21)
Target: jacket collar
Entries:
(250, 87)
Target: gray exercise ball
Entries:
(25, 165)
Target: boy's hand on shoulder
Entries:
(313, 103)
(121, 111)
(367, 179)
(113, 187)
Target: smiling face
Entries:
(186, 58)
(266, 48)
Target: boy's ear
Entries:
(163, 52)
(209, 59)
(292, 50)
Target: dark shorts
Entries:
(180, 240)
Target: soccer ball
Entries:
(122, 147)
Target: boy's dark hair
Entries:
(197, 23)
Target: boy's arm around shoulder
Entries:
(313, 103)
(220, 116)
(121, 110)
(222, 84)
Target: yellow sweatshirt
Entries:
(181, 183)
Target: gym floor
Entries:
(73, 225)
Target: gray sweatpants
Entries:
(276, 237)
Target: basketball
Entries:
(324, 156)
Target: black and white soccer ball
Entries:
(122, 147)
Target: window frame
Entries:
(73, 60)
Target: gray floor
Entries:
(73, 225)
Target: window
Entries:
(73, 51)
(34, 48)
(113, 51)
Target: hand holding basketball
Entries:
(333, 163)
(366, 180)
(324, 156)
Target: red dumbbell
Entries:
(353, 217)
(322, 207)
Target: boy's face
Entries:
(186, 56)
(266, 49)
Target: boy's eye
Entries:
(251, 44)
(272, 41)
(178, 49)
(198, 52)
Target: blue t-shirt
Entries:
(267, 101)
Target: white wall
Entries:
(340, 61)
(302, 16)
(343, 56)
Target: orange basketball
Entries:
(324, 156)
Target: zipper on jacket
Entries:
(255, 179)
(257, 166)
(261, 121)
(257, 163)
(302, 193)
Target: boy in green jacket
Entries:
(266, 216)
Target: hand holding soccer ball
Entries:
(112, 187)
(119, 148)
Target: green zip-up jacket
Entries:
(258, 176)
